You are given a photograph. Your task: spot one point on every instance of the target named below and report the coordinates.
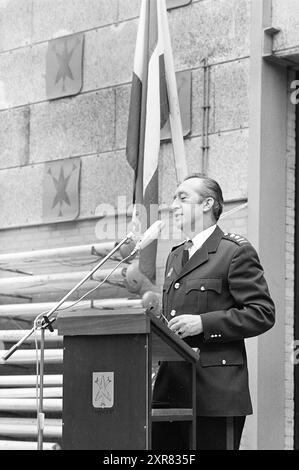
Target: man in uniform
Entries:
(214, 296)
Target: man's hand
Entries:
(186, 325)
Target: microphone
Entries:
(151, 301)
(149, 236)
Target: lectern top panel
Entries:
(103, 322)
(165, 345)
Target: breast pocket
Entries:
(202, 293)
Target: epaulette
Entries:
(177, 246)
(238, 239)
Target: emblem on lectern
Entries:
(103, 389)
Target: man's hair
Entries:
(210, 188)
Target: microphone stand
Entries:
(46, 322)
(40, 410)
(42, 321)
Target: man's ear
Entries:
(208, 204)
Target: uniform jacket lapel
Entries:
(176, 262)
(200, 257)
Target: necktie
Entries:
(185, 257)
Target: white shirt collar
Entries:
(200, 238)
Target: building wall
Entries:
(93, 124)
(289, 283)
(285, 14)
(286, 44)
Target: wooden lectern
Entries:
(107, 378)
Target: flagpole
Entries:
(174, 105)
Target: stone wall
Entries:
(92, 125)
(285, 15)
(290, 272)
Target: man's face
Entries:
(187, 207)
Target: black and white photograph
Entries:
(149, 267)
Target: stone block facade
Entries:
(93, 124)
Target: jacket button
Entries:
(223, 362)
(173, 313)
(202, 288)
(177, 285)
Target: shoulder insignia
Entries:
(240, 240)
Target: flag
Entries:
(149, 111)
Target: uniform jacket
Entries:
(224, 283)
